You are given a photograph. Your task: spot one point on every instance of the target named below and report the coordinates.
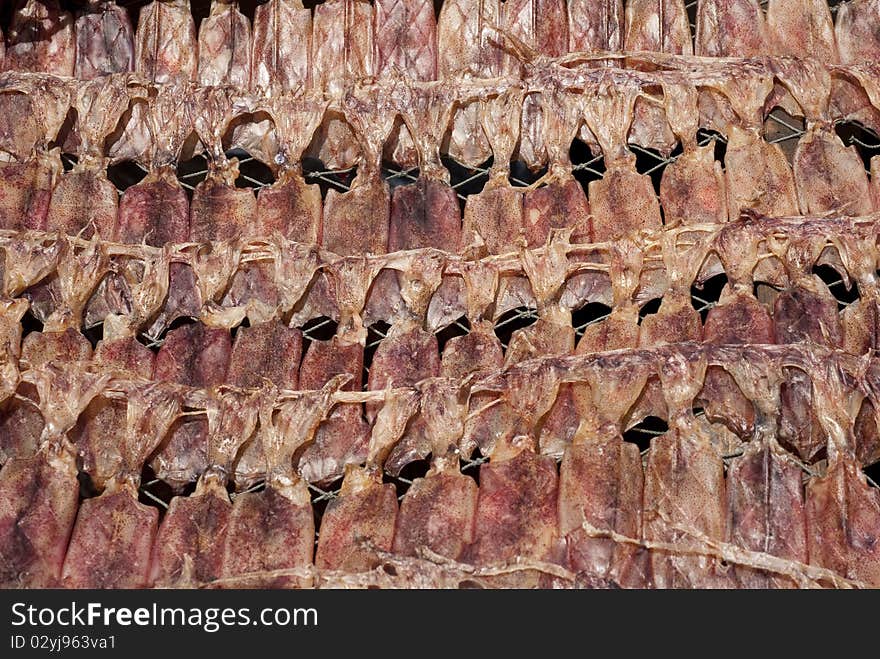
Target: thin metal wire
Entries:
(152, 497)
(323, 495)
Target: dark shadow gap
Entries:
(460, 327)
(471, 467)
(192, 172)
(251, 172)
(94, 334)
(321, 498)
(156, 345)
(873, 474)
(321, 328)
(466, 181)
(587, 315)
(87, 489)
(412, 471)
(706, 136)
(832, 279)
(396, 176)
(375, 334)
(30, 324)
(650, 307)
(865, 141)
(314, 171)
(645, 431)
(521, 176)
(233, 332)
(651, 162)
(69, 161)
(585, 167)
(154, 492)
(515, 319)
(125, 174)
(705, 297)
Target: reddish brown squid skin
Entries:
(692, 190)
(766, 511)
(623, 202)
(356, 222)
(737, 319)
(843, 514)
(198, 356)
(41, 39)
(103, 421)
(269, 531)
(84, 203)
(104, 41)
(343, 436)
(516, 514)
(268, 351)
(357, 523)
(26, 194)
(291, 207)
(495, 215)
(220, 211)
(38, 504)
(189, 545)
(437, 513)
(684, 485)
(600, 481)
(155, 211)
(424, 214)
(111, 543)
(730, 28)
(402, 360)
(559, 205)
(803, 313)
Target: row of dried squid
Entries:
(77, 284)
(289, 48)
(680, 518)
(122, 117)
(554, 280)
(375, 38)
